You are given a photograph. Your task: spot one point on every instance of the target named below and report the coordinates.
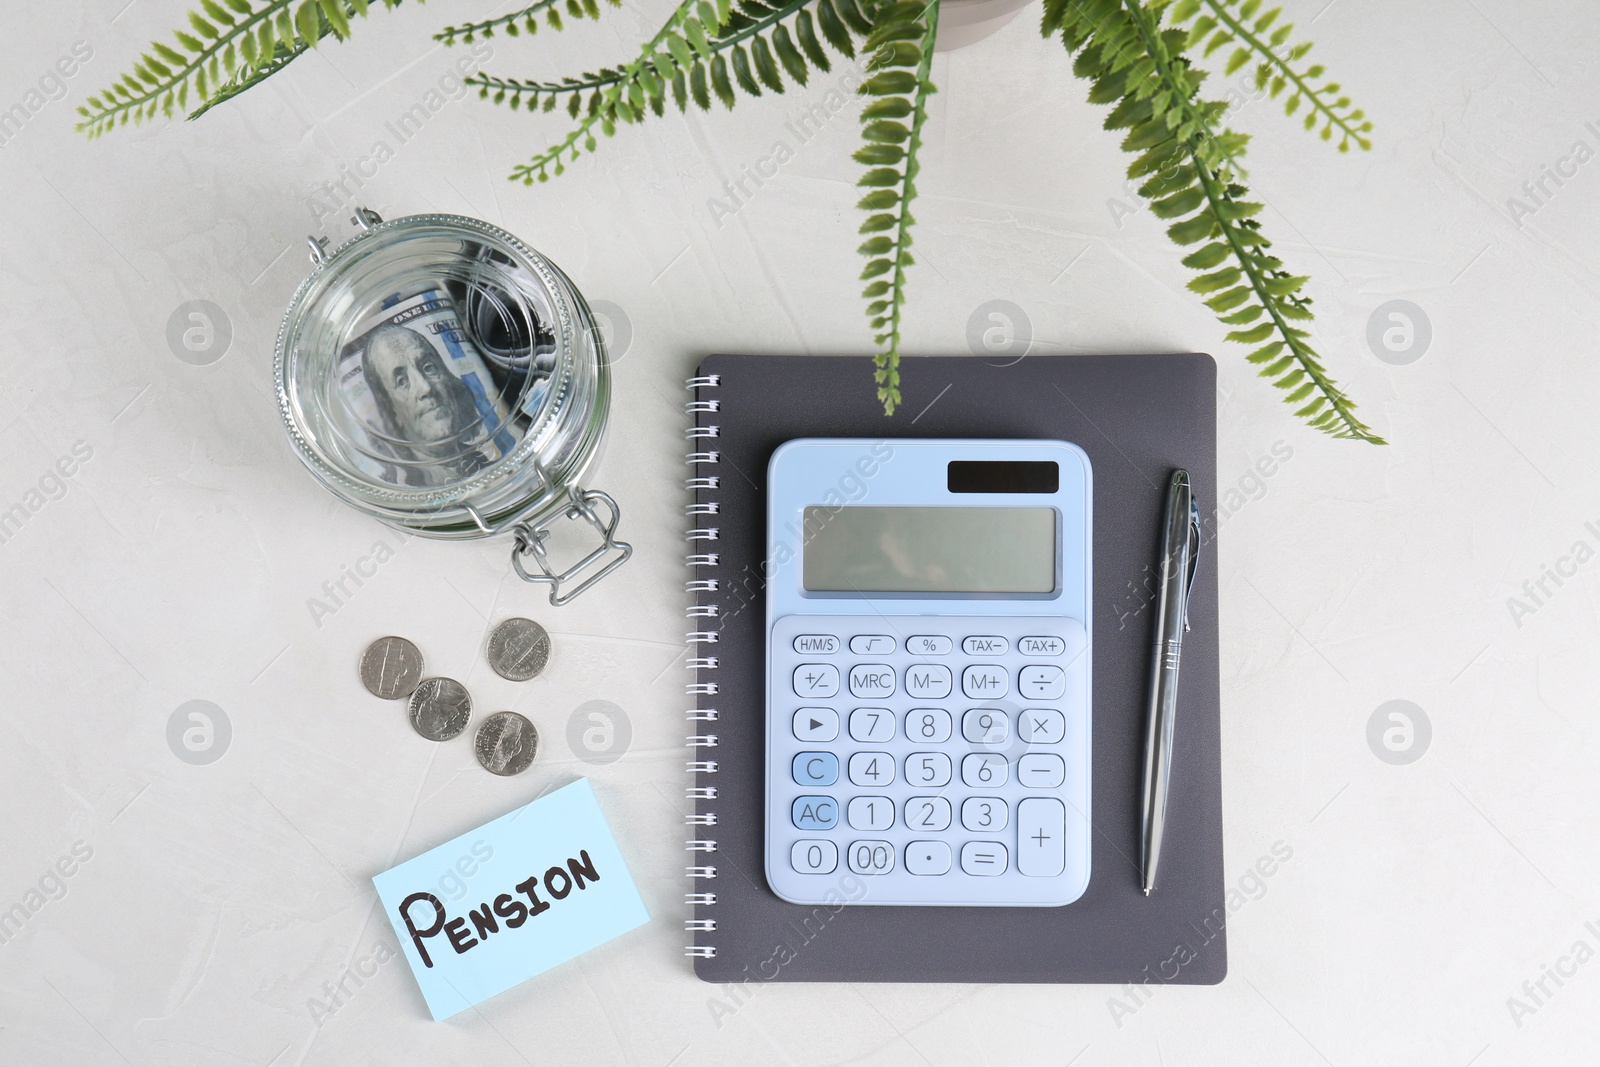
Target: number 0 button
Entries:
(814, 857)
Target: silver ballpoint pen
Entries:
(1180, 552)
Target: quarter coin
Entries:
(518, 649)
(391, 667)
(440, 708)
(506, 743)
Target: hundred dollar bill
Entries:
(426, 409)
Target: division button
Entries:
(928, 857)
(814, 857)
(812, 680)
(1041, 837)
(1041, 682)
(983, 858)
(816, 724)
(814, 813)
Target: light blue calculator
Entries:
(928, 717)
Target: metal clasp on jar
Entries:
(530, 539)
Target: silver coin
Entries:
(391, 667)
(518, 649)
(506, 743)
(440, 708)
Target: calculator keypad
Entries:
(945, 760)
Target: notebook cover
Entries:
(1137, 417)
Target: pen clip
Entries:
(1194, 557)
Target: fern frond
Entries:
(229, 45)
(1188, 163)
(525, 20)
(901, 45)
(1254, 34)
(704, 50)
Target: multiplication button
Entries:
(813, 680)
(1041, 726)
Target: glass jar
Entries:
(438, 374)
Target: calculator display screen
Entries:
(930, 550)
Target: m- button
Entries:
(872, 680)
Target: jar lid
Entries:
(427, 364)
(436, 372)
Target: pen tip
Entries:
(1146, 890)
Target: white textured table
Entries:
(211, 909)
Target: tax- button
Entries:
(816, 680)
(1041, 837)
(985, 681)
(872, 644)
(814, 813)
(872, 680)
(985, 645)
(928, 680)
(1041, 682)
(816, 768)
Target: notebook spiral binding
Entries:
(703, 616)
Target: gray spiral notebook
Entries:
(1137, 417)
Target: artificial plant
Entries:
(1140, 57)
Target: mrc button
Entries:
(872, 680)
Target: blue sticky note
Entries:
(512, 898)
